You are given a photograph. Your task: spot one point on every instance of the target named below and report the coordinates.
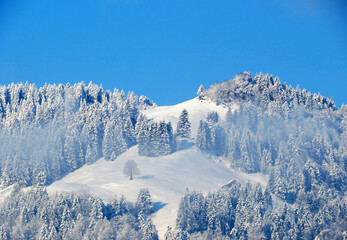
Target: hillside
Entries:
(290, 143)
(197, 109)
(166, 177)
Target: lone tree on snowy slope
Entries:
(183, 125)
(131, 169)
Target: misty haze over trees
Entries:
(297, 138)
(48, 132)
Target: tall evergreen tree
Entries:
(147, 229)
(203, 139)
(156, 139)
(183, 125)
(201, 92)
(113, 144)
(144, 202)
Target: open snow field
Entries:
(197, 109)
(166, 177)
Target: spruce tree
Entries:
(164, 147)
(201, 92)
(144, 202)
(203, 139)
(113, 144)
(183, 125)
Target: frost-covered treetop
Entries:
(265, 90)
(47, 132)
(25, 102)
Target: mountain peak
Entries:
(263, 90)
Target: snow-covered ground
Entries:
(166, 177)
(197, 109)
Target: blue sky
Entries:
(166, 49)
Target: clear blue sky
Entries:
(166, 49)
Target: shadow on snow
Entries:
(158, 205)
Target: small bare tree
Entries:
(130, 169)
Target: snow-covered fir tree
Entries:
(113, 143)
(144, 204)
(147, 228)
(63, 127)
(36, 215)
(296, 138)
(201, 92)
(156, 139)
(183, 129)
(203, 139)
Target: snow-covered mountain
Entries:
(166, 177)
(290, 143)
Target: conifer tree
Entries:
(144, 202)
(164, 139)
(129, 133)
(203, 139)
(183, 125)
(201, 92)
(147, 229)
(113, 144)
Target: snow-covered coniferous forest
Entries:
(248, 158)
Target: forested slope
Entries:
(297, 138)
(48, 132)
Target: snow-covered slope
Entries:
(197, 109)
(166, 177)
